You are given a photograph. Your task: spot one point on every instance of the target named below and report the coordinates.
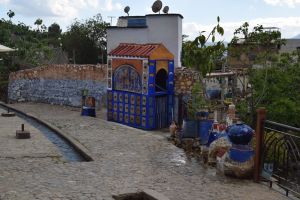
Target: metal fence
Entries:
(277, 154)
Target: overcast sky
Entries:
(198, 14)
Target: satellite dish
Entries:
(126, 10)
(166, 9)
(157, 5)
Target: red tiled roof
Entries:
(134, 50)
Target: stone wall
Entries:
(58, 84)
(62, 84)
(185, 79)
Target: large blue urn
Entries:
(240, 133)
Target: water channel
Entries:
(69, 153)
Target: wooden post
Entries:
(259, 136)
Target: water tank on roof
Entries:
(136, 22)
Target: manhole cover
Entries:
(144, 195)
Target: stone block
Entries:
(22, 134)
(8, 114)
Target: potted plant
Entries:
(195, 106)
(203, 58)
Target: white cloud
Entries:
(290, 3)
(289, 26)
(110, 6)
(68, 9)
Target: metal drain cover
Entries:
(143, 195)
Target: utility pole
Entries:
(111, 18)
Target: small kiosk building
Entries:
(140, 85)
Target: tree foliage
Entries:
(200, 55)
(203, 55)
(279, 92)
(86, 40)
(35, 46)
(275, 84)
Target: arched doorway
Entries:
(161, 81)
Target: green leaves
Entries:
(279, 91)
(213, 38)
(88, 39)
(203, 57)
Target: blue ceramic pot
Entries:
(189, 128)
(241, 154)
(240, 134)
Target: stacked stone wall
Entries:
(58, 84)
(185, 79)
(62, 84)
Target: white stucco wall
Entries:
(164, 28)
(115, 36)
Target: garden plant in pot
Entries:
(197, 54)
(195, 109)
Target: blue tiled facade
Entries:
(141, 106)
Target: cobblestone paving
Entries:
(10, 147)
(126, 160)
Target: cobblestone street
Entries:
(125, 160)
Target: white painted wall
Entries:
(164, 28)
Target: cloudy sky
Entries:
(198, 14)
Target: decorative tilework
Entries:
(121, 117)
(144, 101)
(115, 116)
(121, 97)
(131, 109)
(132, 99)
(126, 78)
(144, 121)
(115, 107)
(138, 100)
(121, 107)
(115, 97)
(126, 118)
(138, 120)
(138, 110)
(132, 119)
(126, 104)
(126, 108)
(144, 111)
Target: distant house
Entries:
(290, 46)
(242, 56)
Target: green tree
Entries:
(275, 84)
(54, 34)
(38, 22)
(279, 92)
(85, 41)
(54, 30)
(10, 14)
(203, 54)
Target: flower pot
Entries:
(204, 127)
(189, 129)
(240, 134)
